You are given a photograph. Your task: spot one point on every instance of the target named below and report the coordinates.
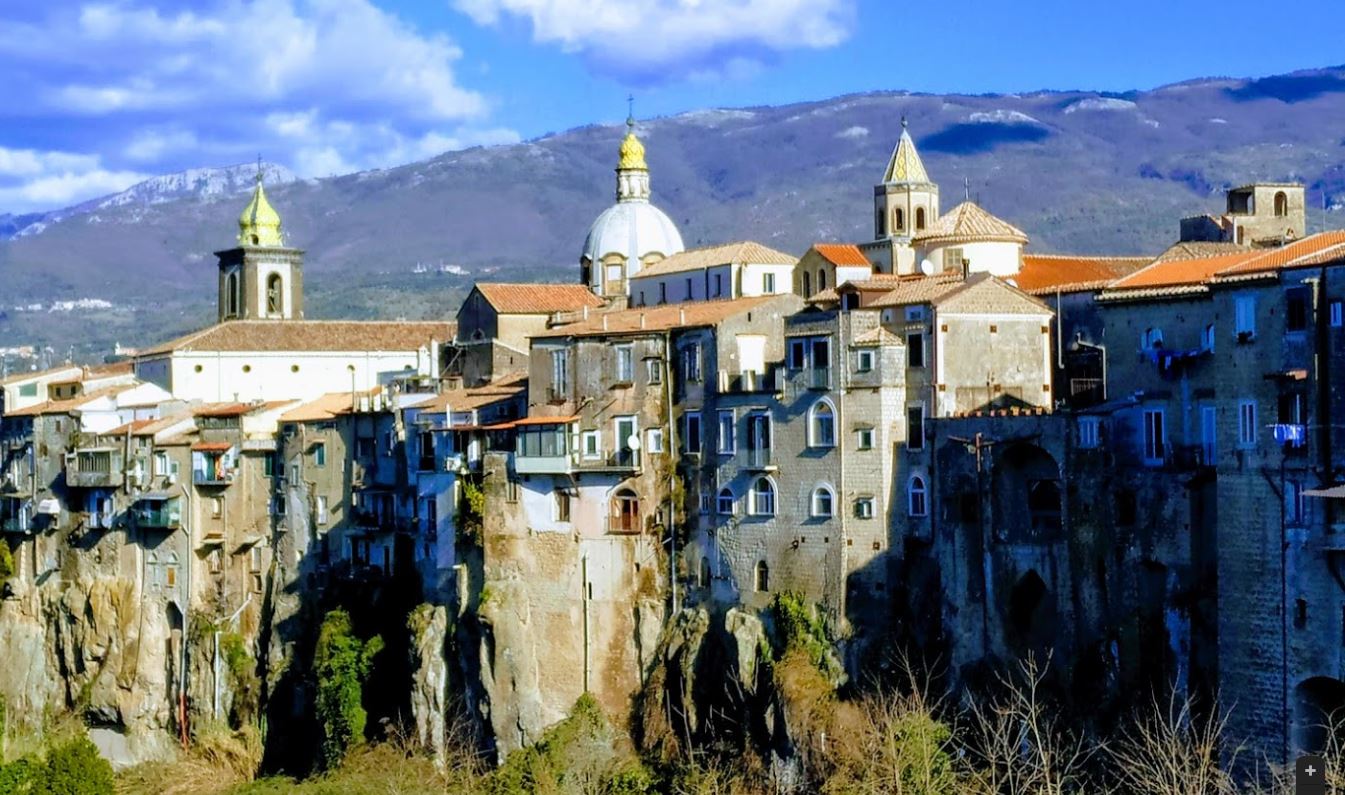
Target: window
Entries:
(663, 292)
(690, 292)
(691, 364)
(864, 360)
(706, 498)
(691, 438)
(653, 371)
(807, 285)
(1295, 509)
(1296, 309)
(821, 280)
(1246, 423)
(763, 497)
(320, 454)
(915, 350)
(511, 490)
(726, 440)
(274, 301)
(864, 508)
(1208, 447)
(1337, 315)
(1088, 432)
(953, 259)
(1244, 318)
(1154, 436)
(625, 364)
(705, 572)
(798, 353)
(231, 294)
(919, 218)
(724, 505)
(1281, 205)
(560, 372)
(822, 425)
(915, 427)
(627, 432)
(768, 283)
(1207, 339)
(916, 494)
(899, 220)
(322, 510)
(560, 499)
(591, 445)
(654, 440)
(719, 284)
(915, 314)
(761, 580)
(823, 503)
(863, 438)
(217, 507)
(1151, 338)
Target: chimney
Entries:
(642, 320)
(681, 316)
(604, 322)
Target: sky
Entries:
(101, 94)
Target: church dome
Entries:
(259, 225)
(632, 229)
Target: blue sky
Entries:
(103, 93)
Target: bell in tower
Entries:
(262, 278)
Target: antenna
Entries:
(630, 110)
(259, 168)
(966, 189)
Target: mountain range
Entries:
(1080, 171)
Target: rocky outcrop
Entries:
(430, 676)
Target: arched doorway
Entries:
(1027, 497)
(625, 512)
(1318, 714)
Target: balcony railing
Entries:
(759, 458)
(212, 477)
(94, 469)
(623, 523)
(818, 377)
(158, 514)
(751, 382)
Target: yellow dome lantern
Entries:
(259, 225)
(632, 151)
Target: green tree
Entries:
(6, 563)
(341, 664)
(75, 768)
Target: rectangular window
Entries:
(560, 373)
(915, 427)
(625, 364)
(863, 438)
(915, 350)
(1246, 423)
(1244, 318)
(727, 442)
(1337, 314)
(654, 440)
(663, 292)
(217, 507)
(864, 508)
(591, 445)
(1208, 449)
(863, 361)
(653, 371)
(561, 500)
(691, 364)
(798, 352)
(1295, 509)
(1088, 432)
(706, 499)
(161, 464)
(690, 294)
(320, 454)
(1154, 436)
(915, 314)
(268, 465)
(768, 283)
(322, 510)
(719, 284)
(1296, 302)
(691, 438)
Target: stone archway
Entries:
(1318, 714)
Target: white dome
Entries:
(633, 229)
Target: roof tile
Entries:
(536, 299)
(740, 253)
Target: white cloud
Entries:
(325, 86)
(853, 132)
(652, 40)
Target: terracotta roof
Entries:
(742, 253)
(918, 290)
(876, 283)
(475, 397)
(1068, 273)
(326, 407)
(1170, 277)
(536, 299)
(212, 447)
(876, 336)
(49, 373)
(1198, 249)
(149, 427)
(968, 223)
(983, 293)
(73, 404)
(134, 428)
(222, 410)
(310, 335)
(843, 254)
(659, 318)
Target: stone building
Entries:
(905, 204)
(714, 273)
(496, 320)
(1259, 215)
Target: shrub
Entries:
(341, 665)
(7, 568)
(75, 768)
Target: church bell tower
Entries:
(262, 278)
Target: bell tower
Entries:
(905, 204)
(262, 278)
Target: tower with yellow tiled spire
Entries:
(261, 278)
(630, 234)
(905, 204)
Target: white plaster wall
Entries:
(271, 377)
(752, 279)
(1001, 259)
(589, 504)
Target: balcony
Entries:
(759, 458)
(94, 468)
(542, 447)
(158, 511)
(818, 377)
(750, 382)
(212, 464)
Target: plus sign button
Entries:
(1310, 776)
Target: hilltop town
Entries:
(934, 441)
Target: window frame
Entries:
(763, 504)
(1247, 435)
(726, 443)
(816, 510)
(624, 363)
(915, 441)
(726, 493)
(915, 349)
(917, 497)
(1154, 447)
(822, 415)
(864, 359)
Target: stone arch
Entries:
(1028, 500)
(761, 577)
(1281, 204)
(625, 512)
(231, 293)
(898, 220)
(1318, 713)
(275, 294)
(919, 219)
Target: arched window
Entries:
(705, 572)
(919, 218)
(807, 285)
(1207, 339)
(916, 494)
(763, 577)
(763, 497)
(823, 503)
(821, 280)
(625, 517)
(275, 300)
(1281, 205)
(725, 503)
(231, 295)
(822, 425)
(878, 222)
(899, 220)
